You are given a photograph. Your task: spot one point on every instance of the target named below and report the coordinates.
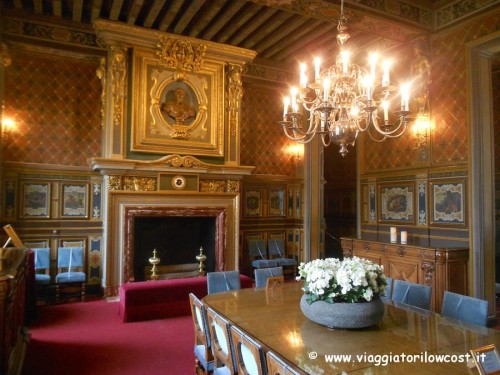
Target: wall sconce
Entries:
(297, 152)
(8, 125)
(421, 129)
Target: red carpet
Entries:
(90, 338)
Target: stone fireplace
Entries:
(199, 208)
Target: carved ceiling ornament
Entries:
(180, 54)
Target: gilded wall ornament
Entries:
(134, 183)
(233, 186)
(213, 186)
(234, 95)
(180, 54)
(118, 81)
(114, 183)
(182, 161)
(101, 74)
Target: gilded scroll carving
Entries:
(114, 183)
(213, 186)
(182, 161)
(234, 95)
(101, 74)
(428, 268)
(118, 81)
(134, 183)
(233, 186)
(180, 54)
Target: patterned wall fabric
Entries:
(448, 97)
(263, 143)
(56, 103)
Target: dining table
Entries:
(407, 340)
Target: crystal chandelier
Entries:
(346, 99)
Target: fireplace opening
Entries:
(177, 240)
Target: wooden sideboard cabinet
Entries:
(14, 268)
(441, 268)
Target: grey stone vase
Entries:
(344, 315)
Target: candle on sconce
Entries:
(317, 64)
(326, 88)
(405, 97)
(293, 92)
(394, 235)
(404, 237)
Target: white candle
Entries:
(385, 77)
(404, 237)
(405, 96)
(373, 62)
(293, 92)
(394, 235)
(303, 76)
(286, 103)
(385, 105)
(317, 64)
(345, 61)
(326, 88)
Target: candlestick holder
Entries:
(201, 258)
(154, 260)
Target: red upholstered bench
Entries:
(146, 300)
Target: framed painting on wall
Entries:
(253, 203)
(448, 202)
(35, 200)
(397, 203)
(178, 110)
(74, 200)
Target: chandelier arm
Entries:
(390, 133)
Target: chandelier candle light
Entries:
(346, 99)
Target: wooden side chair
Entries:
(417, 295)
(468, 309)
(70, 277)
(277, 253)
(202, 342)
(222, 344)
(42, 271)
(248, 353)
(277, 366)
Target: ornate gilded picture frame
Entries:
(277, 202)
(253, 203)
(397, 203)
(178, 100)
(448, 203)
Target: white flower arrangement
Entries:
(350, 280)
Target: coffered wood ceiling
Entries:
(281, 31)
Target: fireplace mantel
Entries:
(116, 261)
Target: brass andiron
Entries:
(154, 261)
(201, 258)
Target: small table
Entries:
(274, 318)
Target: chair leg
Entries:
(84, 289)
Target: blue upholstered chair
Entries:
(261, 275)
(258, 255)
(277, 252)
(223, 281)
(248, 353)
(417, 295)
(202, 342)
(70, 264)
(222, 344)
(277, 366)
(388, 288)
(468, 309)
(42, 265)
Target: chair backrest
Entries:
(257, 249)
(262, 274)
(248, 353)
(42, 258)
(417, 295)
(70, 257)
(199, 315)
(223, 281)
(468, 309)
(222, 343)
(277, 366)
(276, 248)
(388, 288)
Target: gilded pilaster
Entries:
(234, 95)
